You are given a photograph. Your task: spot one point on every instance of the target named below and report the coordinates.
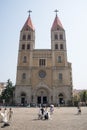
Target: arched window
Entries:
(28, 46)
(24, 37)
(24, 59)
(42, 62)
(60, 77)
(23, 46)
(61, 37)
(29, 37)
(56, 46)
(61, 46)
(24, 76)
(59, 59)
(56, 37)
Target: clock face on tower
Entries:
(42, 74)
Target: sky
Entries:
(73, 16)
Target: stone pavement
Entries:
(64, 118)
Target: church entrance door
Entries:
(42, 96)
(61, 99)
(45, 100)
(39, 99)
(23, 100)
(42, 100)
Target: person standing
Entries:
(46, 114)
(79, 110)
(10, 114)
(42, 112)
(51, 109)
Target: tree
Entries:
(7, 93)
(83, 96)
(76, 99)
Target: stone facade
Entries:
(44, 76)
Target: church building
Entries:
(44, 76)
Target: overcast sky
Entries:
(73, 16)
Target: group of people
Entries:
(44, 113)
(5, 116)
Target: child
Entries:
(51, 109)
(10, 114)
(79, 110)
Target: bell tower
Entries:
(57, 35)
(25, 52)
(26, 46)
(58, 41)
(27, 35)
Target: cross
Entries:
(56, 11)
(29, 12)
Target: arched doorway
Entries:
(23, 98)
(61, 98)
(42, 96)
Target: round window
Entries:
(42, 74)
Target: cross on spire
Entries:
(56, 11)
(29, 12)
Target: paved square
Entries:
(64, 118)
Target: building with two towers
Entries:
(44, 76)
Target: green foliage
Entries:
(7, 93)
(80, 97)
(83, 96)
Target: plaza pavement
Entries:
(64, 118)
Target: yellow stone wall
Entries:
(36, 78)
